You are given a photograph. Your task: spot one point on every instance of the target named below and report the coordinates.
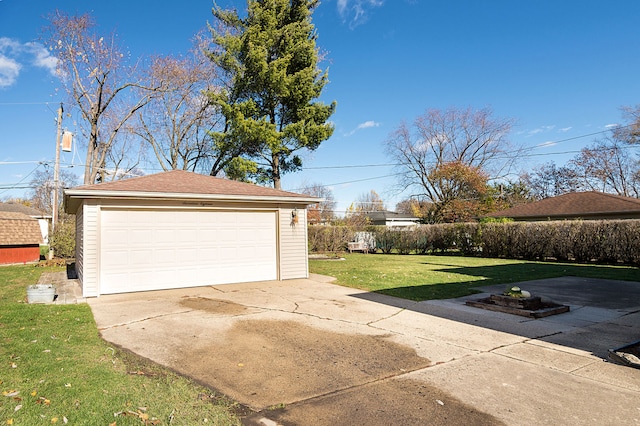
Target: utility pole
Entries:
(56, 172)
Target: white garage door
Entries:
(162, 249)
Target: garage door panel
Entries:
(147, 250)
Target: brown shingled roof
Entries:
(18, 229)
(183, 182)
(575, 205)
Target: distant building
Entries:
(394, 219)
(43, 220)
(575, 205)
(20, 238)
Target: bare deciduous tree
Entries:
(369, 202)
(549, 180)
(607, 166)
(459, 136)
(178, 121)
(324, 211)
(40, 195)
(98, 80)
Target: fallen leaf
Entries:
(64, 420)
(14, 365)
(54, 420)
(67, 385)
(43, 400)
(34, 393)
(112, 424)
(11, 392)
(10, 421)
(19, 406)
(439, 402)
(47, 351)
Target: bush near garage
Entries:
(603, 241)
(63, 239)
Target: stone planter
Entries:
(532, 307)
(41, 293)
(531, 303)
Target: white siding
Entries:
(79, 242)
(293, 245)
(90, 260)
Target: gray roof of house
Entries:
(21, 208)
(387, 215)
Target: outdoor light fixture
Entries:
(294, 216)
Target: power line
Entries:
(28, 103)
(519, 154)
(18, 184)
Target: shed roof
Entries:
(575, 204)
(18, 229)
(21, 208)
(387, 215)
(180, 184)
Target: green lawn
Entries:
(418, 277)
(54, 368)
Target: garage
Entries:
(180, 229)
(152, 250)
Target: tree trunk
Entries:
(275, 162)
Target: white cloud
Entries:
(42, 57)
(355, 12)
(541, 129)
(365, 125)
(610, 126)
(13, 56)
(368, 124)
(9, 71)
(565, 129)
(342, 6)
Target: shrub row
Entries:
(609, 241)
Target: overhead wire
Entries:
(524, 153)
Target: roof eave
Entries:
(73, 197)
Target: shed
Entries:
(43, 219)
(393, 219)
(180, 229)
(20, 238)
(591, 205)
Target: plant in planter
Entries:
(516, 292)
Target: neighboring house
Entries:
(575, 205)
(20, 238)
(181, 229)
(387, 218)
(43, 220)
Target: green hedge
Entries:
(606, 241)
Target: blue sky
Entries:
(561, 69)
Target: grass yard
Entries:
(54, 368)
(417, 277)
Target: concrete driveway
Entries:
(310, 352)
